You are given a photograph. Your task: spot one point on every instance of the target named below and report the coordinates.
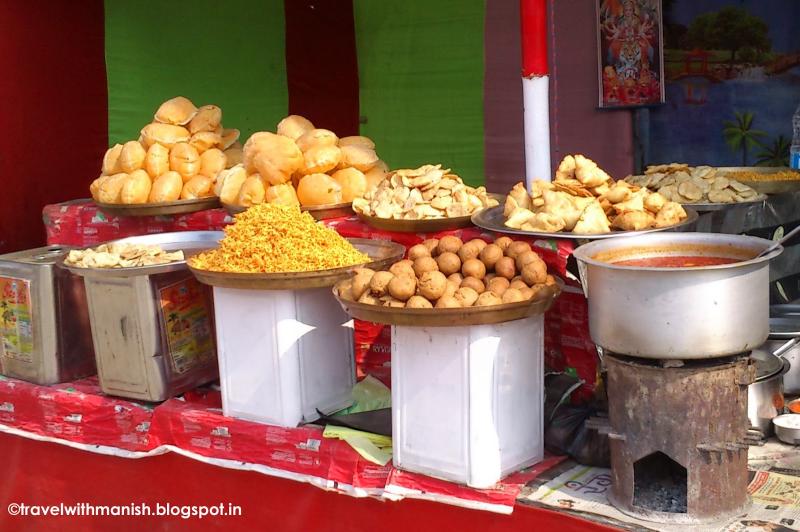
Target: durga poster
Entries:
(630, 53)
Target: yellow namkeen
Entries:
(270, 238)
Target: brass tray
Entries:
(318, 212)
(449, 317)
(765, 187)
(492, 219)
(160, 209)
(383, 254)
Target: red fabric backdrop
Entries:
(53, 115)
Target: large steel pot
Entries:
(677, 313)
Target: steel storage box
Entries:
(44, 321)
(467, 401)
(153, 326)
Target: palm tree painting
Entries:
(775, 154)
(740, 135)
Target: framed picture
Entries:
(630, 53)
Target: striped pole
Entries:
(535, 90)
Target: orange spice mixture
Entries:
(270, 238)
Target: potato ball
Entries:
(451, 288)
(403, 267)
(518, 284)
(534, 273)
(346, 290)
(449, 243)
(456, 278)
(425, 264)
(449, 263)
(448, 302)
(490, 255)
(478, 242)
(488, 298)
(369, 299)
(389, 301)
(418, 302)
(505, 268)
(380, 282)
(503, 242)
(418, 251)
(474, 283)
(498, 285)
(525, 258)
(402, 287)
(468, 251)
(517, 248)
(466, 296)
(473, 268)
(513, 295)
(526, 292)
(535, 289)
(431, 244)
(361, 282)
(432, 285)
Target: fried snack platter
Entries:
(277, 247)
(705, 188)
(172, 167)
(424, 199)
(765, 179)
(448, 282)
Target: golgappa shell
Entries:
(208, 118)
(136, 188)
(282, 195)
(319, 189)
(357, 140)
(166, 187)
(212, 162)
(184, 159)
(320, 159)
(317, 137)
(198, 186)
(235, 156)
(353, 182)
(111, 160)
(177, 111)
(359, 157)
(132, 156)
(156, 162)
(205, 140)
(165, 134)
(109, 190)
(293, 126)
(252, 192)
(229, 137)
(229, 183)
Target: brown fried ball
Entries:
(505, 268)
(369, 299)
(402, 287)
(448, 262)
(449, 243)
(487, 299)
(418, 251)
(451, 288)
(526, 258)
(456, 278)
(550, 281)
(346, 290)
(468, 251)
(474, 283)
(518, 284)
(535, 273)
(448, 302)
(490, 255)
(503, 242)
(512, 295)
(403, 267)
(380, 282)
(466, 296)
(498, 285)
(361, 282)
(389, 301)
(473, 268)
(526, 292)
(432, 285)
(418, 302)
(517, 248)
(431, 244)
(425, 264)
(481, 243)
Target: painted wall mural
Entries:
(732, 72)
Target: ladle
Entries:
(779, 243)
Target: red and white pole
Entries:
(535, 90)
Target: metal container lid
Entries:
(767, 364)
(43, 255)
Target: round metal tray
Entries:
(318, 212)
(416, 226)
(765, 187)
(449, 317)
(492, 219)
(784, 327)
(190, 242)
(382, 253)
(160, 209)
(711, 207)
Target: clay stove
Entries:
(677, 437)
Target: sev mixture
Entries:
(783, 175)
(270, 238)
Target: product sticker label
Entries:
(16, 319)
(186, 320)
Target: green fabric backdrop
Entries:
(230, 54)
(422, 81)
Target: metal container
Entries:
(153, 326)
(787, 428)
(765, 394)
(44, 321)
(677, 313)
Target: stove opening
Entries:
(659, 484)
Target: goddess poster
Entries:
(630, 53)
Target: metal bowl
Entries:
(449, 317)
(787, 428)
(160, 209)
(383, 254)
